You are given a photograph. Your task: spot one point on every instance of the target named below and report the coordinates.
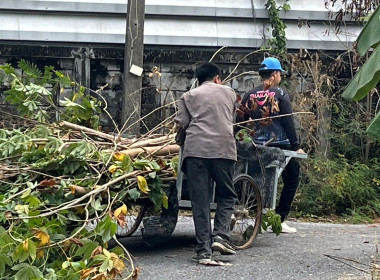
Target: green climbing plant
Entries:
(278, 40)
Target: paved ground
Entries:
(287, 256)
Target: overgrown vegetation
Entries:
(357, 9)
(64, 189)
(341, 177)
(340, 187)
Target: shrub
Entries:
(339, 187)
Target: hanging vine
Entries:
(278, 40)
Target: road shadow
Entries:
(137, 246)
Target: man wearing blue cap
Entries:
(265, 101)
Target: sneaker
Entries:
(287, 229)
(213, 262)
(202, 258)
(222, 246)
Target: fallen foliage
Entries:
(66, 188)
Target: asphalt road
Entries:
(287, 256)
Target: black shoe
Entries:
(222, 246)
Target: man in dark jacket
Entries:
(209, 153)
(270, 100)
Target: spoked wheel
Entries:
(132, 220)
(246, 218)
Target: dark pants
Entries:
(199, 173)
(290, 178)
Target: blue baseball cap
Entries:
(271, 63)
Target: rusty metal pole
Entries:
(133, 64)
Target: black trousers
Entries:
(200, 172)
(290, 177)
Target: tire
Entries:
(246, 218)
(132, 220)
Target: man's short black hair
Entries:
(207, 71)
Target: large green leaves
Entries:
(374, 127)
(369, 75)
(370, 35)
(366, 79)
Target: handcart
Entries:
(254, 193)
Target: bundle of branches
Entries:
(66, 189)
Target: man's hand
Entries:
(300, 151)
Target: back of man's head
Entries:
(206, 72)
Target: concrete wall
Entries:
(85, 39)
(206, 23)
(95, 67)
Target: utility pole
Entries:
(133, 66)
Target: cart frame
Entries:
(186, 203)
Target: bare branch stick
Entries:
(273, 117)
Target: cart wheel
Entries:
(132, 220)
(246, 218)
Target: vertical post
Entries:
(133, 56)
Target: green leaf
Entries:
(107, 265)
(174, 163)
(374, 127)
(134, 194)
(30, 184)
(154, 165)
(365, 79)
(286, 7)
(33, 202)
(32, 250)
(157, 198)
(85, 251)
(20, 266)
(141, 163)
(4, 260)
(117, 250)
(8, 69)
(29, 68)
(97, 205)
(107, 228)
(29, 272)
(272, 219)
(126, 161)
(165, 201)
(370, 34)
(53, 145)
(152, 175)
(68, 103)
(21, 255)
(26, 193)
(77, 265)
(51, 275)
(5, 239)
(243, 135)
(65, 264)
